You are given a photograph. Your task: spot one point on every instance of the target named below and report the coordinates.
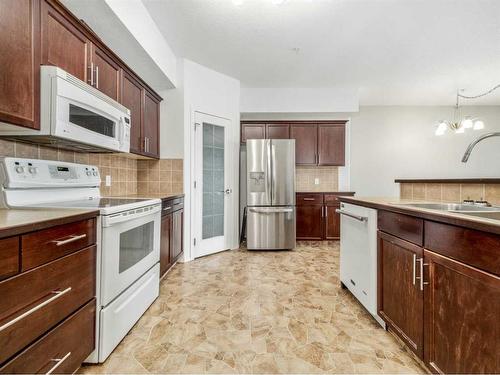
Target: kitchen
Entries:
(129, 169)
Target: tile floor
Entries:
(258, 312)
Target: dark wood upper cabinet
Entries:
(151, 130)
(19, 64)
(131, 97)
(462, 327)
(331, 144)
(277, 131)
(106, 73)
(400, 298)
(63, 44)
(306, 143)
(252, 131)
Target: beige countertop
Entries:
(399, 205)
(156, 196)
(16, 221)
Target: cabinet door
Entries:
(462, 327)
(165, 243)
(63, 45)
(106, 73)
(131, 98)
(277, 131)
(331, 144)
(306, 143)
(332, 223)
(177, 227)
(309, 222)
(151, 124)
(252, 131)
(400, 301)
(20, 62)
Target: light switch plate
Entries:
(108, 180)
(316, 181)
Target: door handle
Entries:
(357, 217)
(59, 362)
(421, 277)
(228, 191)
(72, 238)
(91, 74)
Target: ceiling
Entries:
(393, 51)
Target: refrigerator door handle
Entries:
(268, 173)
(273, 175)
(276, 210)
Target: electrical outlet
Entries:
(316, 181)
(108, 180)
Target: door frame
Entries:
(230, 225)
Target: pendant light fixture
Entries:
(459, 124)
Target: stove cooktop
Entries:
(105, 205)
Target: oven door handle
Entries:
(110, 220)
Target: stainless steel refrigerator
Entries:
(270, 194)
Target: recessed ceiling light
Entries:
(278, 2)
(238, 2)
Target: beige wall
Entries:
(124, 171)
(305, 176)
(451, 192)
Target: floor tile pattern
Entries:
(258, 312)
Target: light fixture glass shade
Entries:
(441, 128)
(460, 130)
(478, 125)
(467, 123)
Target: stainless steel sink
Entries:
(454, 207)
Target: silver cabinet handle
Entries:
(96, 77)
(414, 269)
(71, 239)
(326, 211)
(59, 362)
(56, 295)
(422, 282)
(91, 74)
(357, 217)
(167, 208)
(308, 199)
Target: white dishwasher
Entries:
(358, 254)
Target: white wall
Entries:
(216, 94)
(293, 100)
(399, 142)
(389, 142)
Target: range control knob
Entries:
(89, 173)
(19, 169)
(32, 170)
(94, 173)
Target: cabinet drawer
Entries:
(304, 199)
(35, 301)
(171, 205)
(472, 247)
(46, 245)
(9, 257)
(333, 199)
(408, 228)
(70, 342)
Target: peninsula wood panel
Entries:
(400, 300)
(462, 326)
(20, 62)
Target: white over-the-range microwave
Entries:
(76, 116)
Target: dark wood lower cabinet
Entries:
(309, 222)
(462, 317)
(332, 223)
(400, 301)
(171, 243)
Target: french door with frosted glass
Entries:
(212, 191)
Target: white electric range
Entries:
(128, 238)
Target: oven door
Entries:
(130, 246)
(84, 117)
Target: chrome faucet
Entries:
(474, 143)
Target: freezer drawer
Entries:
(271, 228)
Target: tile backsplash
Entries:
(305, 176)
(450, 192)
(124, 170)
